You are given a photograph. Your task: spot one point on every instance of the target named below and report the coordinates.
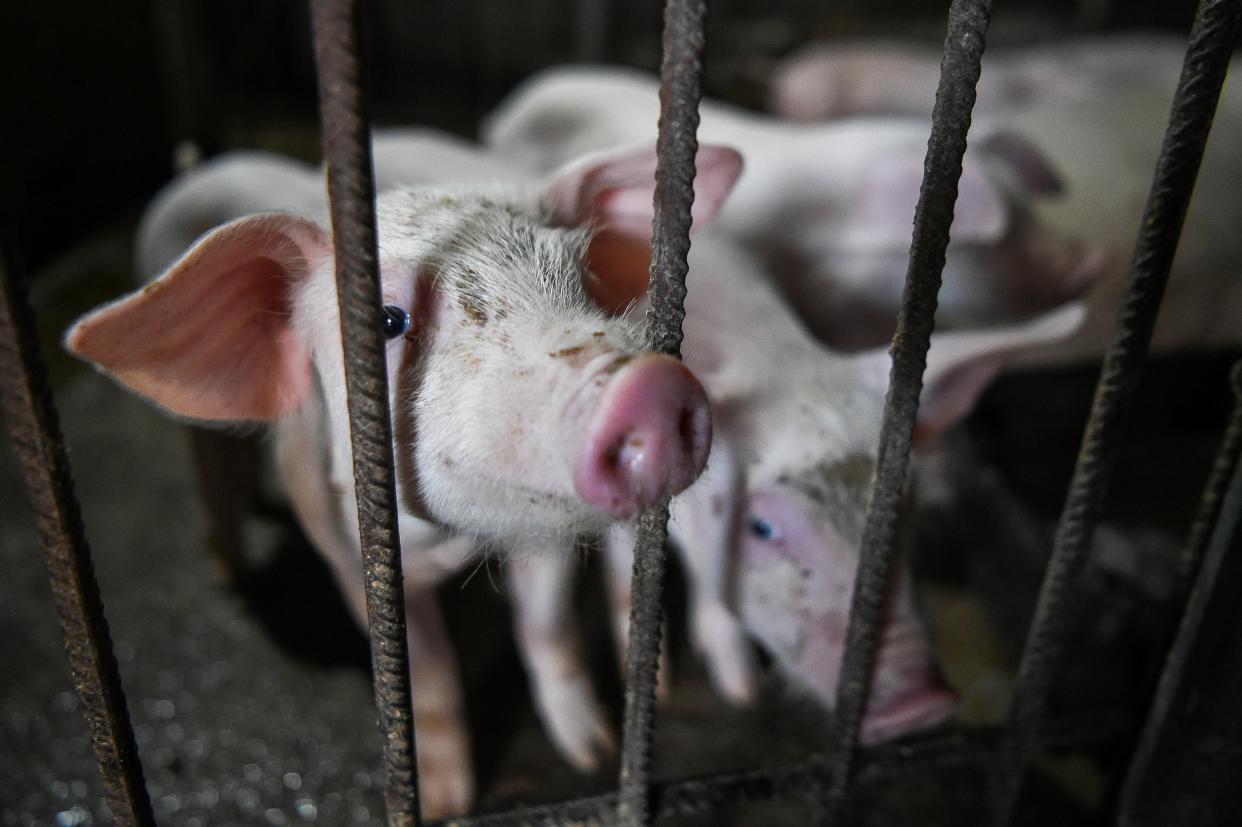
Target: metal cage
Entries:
(825, 779)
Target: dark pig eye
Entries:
(396, 321)
(763, 529)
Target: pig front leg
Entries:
(704, 525)
(619, 556)
(445, 766)
(541, 589)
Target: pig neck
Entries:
(786, 402)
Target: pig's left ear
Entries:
(960, 365)
(881, 214)
(614, 192)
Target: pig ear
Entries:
(211, 338)
(614, 192)
(1034, 171)
(882, 213)
(960, 364)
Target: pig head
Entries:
(829, 207)
(803, 440)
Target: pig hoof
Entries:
(730, 658)
(580, 730)
(445, 790)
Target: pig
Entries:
(769, 534)
(828, 207)
(1096, 108)
(538, 416)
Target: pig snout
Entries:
(907, 694)
(648, 437)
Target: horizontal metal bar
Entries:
(351, 186)
(955, 98)
(706, 794)
(1190, 120)
(34, 426)
(680, 90)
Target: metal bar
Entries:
(1225, 502)
(680, 90)
(34, 427)
(955, 98)
(347, 151)
(1208, 514)
(700, 795)
(1203, 72)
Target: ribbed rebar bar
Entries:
(1194, 104)
(1208, 513)
(351, 187)
(34, 427)
(680, 91)
(1222, 504)
(955, 98)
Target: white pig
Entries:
(770, 533)
(829, 207)
(1096, 108)
(524, 412)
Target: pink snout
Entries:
(648, 438)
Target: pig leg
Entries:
(445, 767)
(541, 588)
(704, 525)
(228, 469)
(619, 556)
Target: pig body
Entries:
(1097, 110)
(516, 400)
(828, 207)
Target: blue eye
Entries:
(763, 529)
(396, 321)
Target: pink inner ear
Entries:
(211, 339)
(950, 397)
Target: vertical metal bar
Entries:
(351, 186)
(1223, 502)
(680, 91)
(1208, 514)
(27, 407)
(955, 98)
(1203, 72)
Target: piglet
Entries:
(520, 395)
(770, 533)
(828, 208)
(1095, 109)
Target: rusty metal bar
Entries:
(680, 91)
(1222, 503)
(955, 98)
(34, 427)
(702, 795)
(351, 187)
(1208, 514)
(1194, 104)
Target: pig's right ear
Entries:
(614, 192)
(960, 364)
(211, 339)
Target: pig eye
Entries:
(763, 529)
(396, 321)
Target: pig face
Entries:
(811, 436)
(521, 399)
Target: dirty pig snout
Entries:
(648, 437)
